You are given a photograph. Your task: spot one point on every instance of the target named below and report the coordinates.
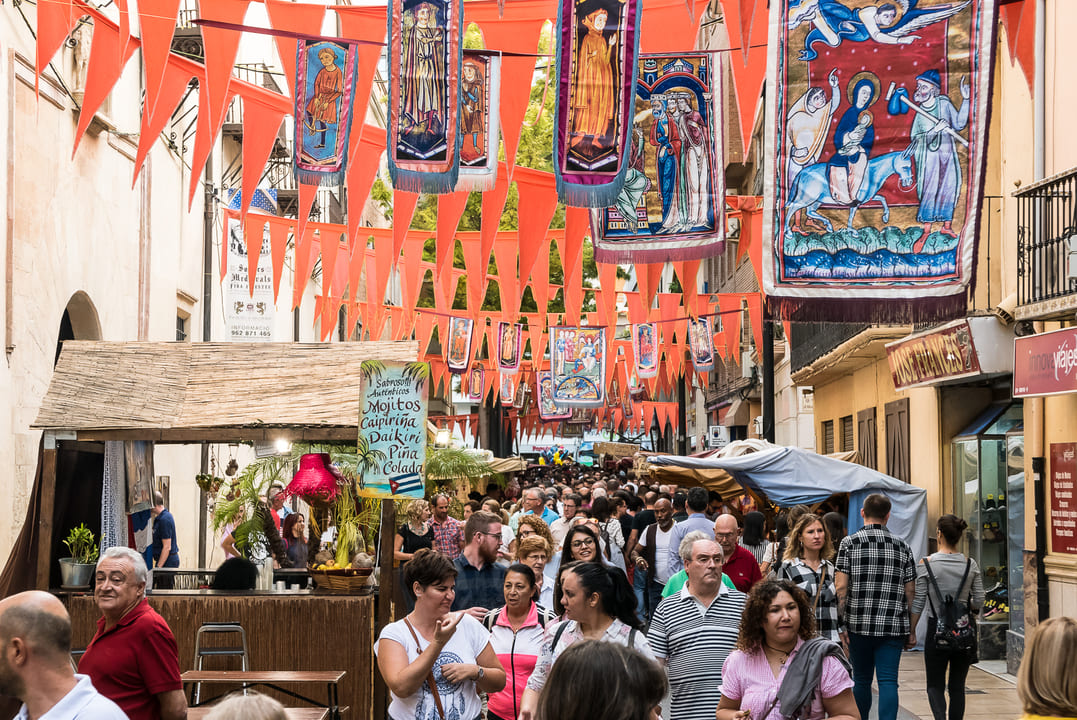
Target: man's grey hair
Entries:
(534, 493)
(685, 548)
(125, 553)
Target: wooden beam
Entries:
(44, 519)
(386, 580)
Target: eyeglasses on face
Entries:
(583, 542)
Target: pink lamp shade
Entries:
(316, 479)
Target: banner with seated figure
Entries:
(875, 163)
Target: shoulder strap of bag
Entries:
(632, 638)
(429, 678)
(819, 589)
(557, 635)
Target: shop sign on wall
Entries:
(1045, 364)
(943, 354)
(1063, 498)
(391, 448)
(249, 318)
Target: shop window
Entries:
(897, 439)
(847, 433)
(865, 433)
(828, 437)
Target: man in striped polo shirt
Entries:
(693, 630)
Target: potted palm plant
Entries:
(77, 571)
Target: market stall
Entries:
(184, 393)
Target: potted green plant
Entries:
(77, 570)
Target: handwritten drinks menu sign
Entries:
(391, 448)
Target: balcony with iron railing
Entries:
(1047, 248)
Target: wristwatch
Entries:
(481, 675)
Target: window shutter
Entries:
(865, 432)
(847, 433)
(897, 439)
(828, 437)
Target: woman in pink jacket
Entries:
(516, 634)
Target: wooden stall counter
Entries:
(285, 631)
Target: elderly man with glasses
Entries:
(534, 503)
(479, 578)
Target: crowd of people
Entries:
(729, 614)
(583, 593)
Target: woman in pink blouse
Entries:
(780, 667)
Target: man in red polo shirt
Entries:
(740, 564)
(132, 659)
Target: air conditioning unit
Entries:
(746, 364)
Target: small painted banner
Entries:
(423, 135)
(458, 349)
(480, 90)
(597, 46)
(391, 446)
(701, 343)
(509, 347)
(548, 409)
(579, 366)
(645, 348)
(325, 73)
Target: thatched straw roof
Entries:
(217, 392)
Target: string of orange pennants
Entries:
(353, 256)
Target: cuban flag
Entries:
(408, 483)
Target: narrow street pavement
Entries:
(988, 696)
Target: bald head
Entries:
(726, 532)
(40, 619)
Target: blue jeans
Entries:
(880, 657)
(639, 587)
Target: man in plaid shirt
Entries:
(875, 580)
(448, 531)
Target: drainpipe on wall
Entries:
(1035, 406)
(208, 201)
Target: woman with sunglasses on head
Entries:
(434, 658)
(597, 603)
(516, 634)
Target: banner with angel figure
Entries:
(874, 167)
(476, 383)
(423, 135)
(672, 204)
(579, 365)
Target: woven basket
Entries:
(342, 581)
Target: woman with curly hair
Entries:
(535, 526)
(780, 667)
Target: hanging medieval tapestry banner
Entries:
(645, 348)
(509, 352)
(671, 206)
(458, 349)
(507, 391)
(597, 46)
(874, 172)
(480, 88)
(701, 343)
(522, 391)
(548, 409)
(579, 365)
(324, 92)
(476, 383)
(424, 98)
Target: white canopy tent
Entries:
(789, 476)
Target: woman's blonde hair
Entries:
(537, 524)
(795, 547)
(532, 544)
(414, 510)
(1046, 682)
(252, 706)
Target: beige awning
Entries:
(216, 392)
(738, 413)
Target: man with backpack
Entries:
(949, 586)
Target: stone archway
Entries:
(79, 321)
